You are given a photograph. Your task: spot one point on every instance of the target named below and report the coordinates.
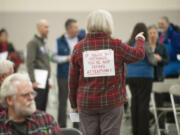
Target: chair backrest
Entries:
(175, 90)
(70, 131)
(164, 87)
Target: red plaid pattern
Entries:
(40, 123)
(101, 92)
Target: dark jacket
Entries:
(159, 69)
(10, 48)
(172, 42)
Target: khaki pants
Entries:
(101, 122)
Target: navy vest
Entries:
(63, 50)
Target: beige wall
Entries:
(20, 16)
(21, 25)
(87, 5)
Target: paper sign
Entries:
(3, 55)
(98, 63)
(74, 117)
(178, 57)
(41, 77)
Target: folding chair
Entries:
(70, 131)
(161, 87)
(175, 91)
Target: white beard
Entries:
(26, 110)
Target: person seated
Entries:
(6, 69)
(20, 116)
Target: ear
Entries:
(10, 101)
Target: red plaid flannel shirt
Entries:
(101, 92)
(40, 123)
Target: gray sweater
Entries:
(37, 57)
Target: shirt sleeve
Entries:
(73, 80)
(165, 57)
(31, 58)
(132, 54)
(55, 128)
(58, 58)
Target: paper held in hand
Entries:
(74, 117)
(41, 77)
(98, 63)
(178, 57)
(3, 55)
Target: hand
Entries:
(158, 57)
(69, 58)
(75, 110)
(49, 86)
(140, 35)
(35, 84)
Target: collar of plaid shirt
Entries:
(96, 35)
(4, 117)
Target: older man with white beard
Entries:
(21, 117)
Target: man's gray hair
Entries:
(5, 66)
(100, 21)
(165, 18)
(8, 88)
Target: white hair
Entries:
(8, 88)
(5, 66)
(100, 21)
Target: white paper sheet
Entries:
(178, 57)
(74, 117)
(98, 63)
(41, 77)
(3, 55)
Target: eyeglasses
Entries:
(27, 95)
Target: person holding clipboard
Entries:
(38, 65)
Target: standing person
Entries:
(62, 55)
(169, 35)
(160, 51)
(162, 57)
(37, 58)
(97, 96)
(140, 79)
(6, 69)
(20, 116)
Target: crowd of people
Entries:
(98, 92)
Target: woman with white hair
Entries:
(6, 69)
(97, 75)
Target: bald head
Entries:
(43, 28)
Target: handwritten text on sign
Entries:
(98, 63)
